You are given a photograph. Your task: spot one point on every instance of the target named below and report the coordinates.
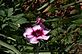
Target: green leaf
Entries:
(2, 13)
(18, 15)
(6, 19)
(71, 27)
(13, 25)
(4, 25)
(54, 32)
(43, 6)
(9, 51)
(11, 38)
(1, 2)
(68, 48)
(80, 40)
(10, 12)
(28, 47)
(18, 19)
(52, 9)
(80, 32)
(9, 47)
(79, 21)
(30, 15)
(21, 21)
(1, 35)
(51, 1)
(68, 39)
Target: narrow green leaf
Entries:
(43, 6)
(51, 1)
(4, 25)
(79, 21)
(9, 47)
(9, 51)
(1, 35)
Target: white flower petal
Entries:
(30, 36)
(40, 37)
(34, 40)
(45, 37)
(24, 34)
(37, 27)
(29, 31)
(46, 32)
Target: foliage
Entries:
(62, 17)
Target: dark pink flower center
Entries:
(37, 33)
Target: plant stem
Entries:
(36, 49)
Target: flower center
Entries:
(37, 33)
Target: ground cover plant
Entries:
(34, 26)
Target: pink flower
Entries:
(35, 34)
(39, 21)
